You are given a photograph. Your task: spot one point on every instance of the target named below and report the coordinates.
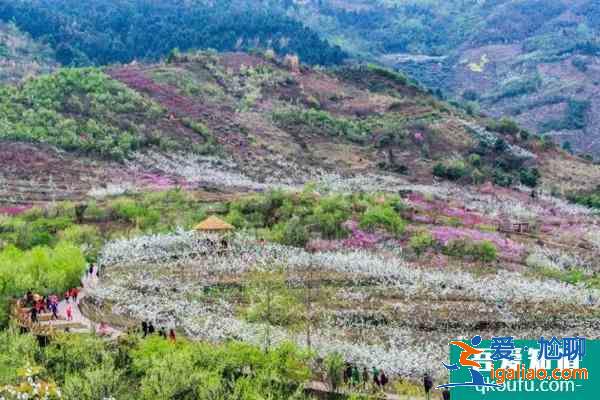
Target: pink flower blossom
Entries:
(14, 210)
(359, 238)
(508, 248)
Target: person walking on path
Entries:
(365, 378)
(355, 376)
(347, 373)
(29, 299)
(376, 377)
(54, 309)
(33, 312)
(39, 306)
(383, 380)
(74, 294)
(145, 328)
(151, 329)
(427, 384)
(69, 312)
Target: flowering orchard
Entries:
(378, 303)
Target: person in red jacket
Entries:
(69, 312)
(74, 294)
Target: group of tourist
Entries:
(148, 329)
(354, 378)
(216, 247)
(49, 304)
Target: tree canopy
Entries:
(92, 32)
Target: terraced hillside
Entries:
(250, 121)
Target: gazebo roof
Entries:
(213, 223)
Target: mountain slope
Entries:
(251, 122)
(533, 60)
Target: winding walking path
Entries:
(79, 322)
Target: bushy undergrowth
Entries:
(484, 251)
(293, 218)
(78, 109)
(151, 212)
(489, 163)
(311, 121)
(88, 368)
(589, 199)
(574, 118)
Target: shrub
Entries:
(575, 117)
(452, 171)
(484, 251)
(318, 121)
(519, 86)
(334, 363)
(86, 237)
(420, 242)
(505, 126)
(529, 177)
(126, 209)
(382, 216)
(291, 233)
(393, 76)
(502, 179)
(475, 160)
(580, 63)
(197, 127)
(39, 232)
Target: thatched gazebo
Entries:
(214, 224)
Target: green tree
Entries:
(271, 302)
(334, 364)
(383, 216)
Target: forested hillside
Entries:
(533, 60)
(93, 32)
(20, 56)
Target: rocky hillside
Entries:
(20, 56)
(251, 122)
(533, 60)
